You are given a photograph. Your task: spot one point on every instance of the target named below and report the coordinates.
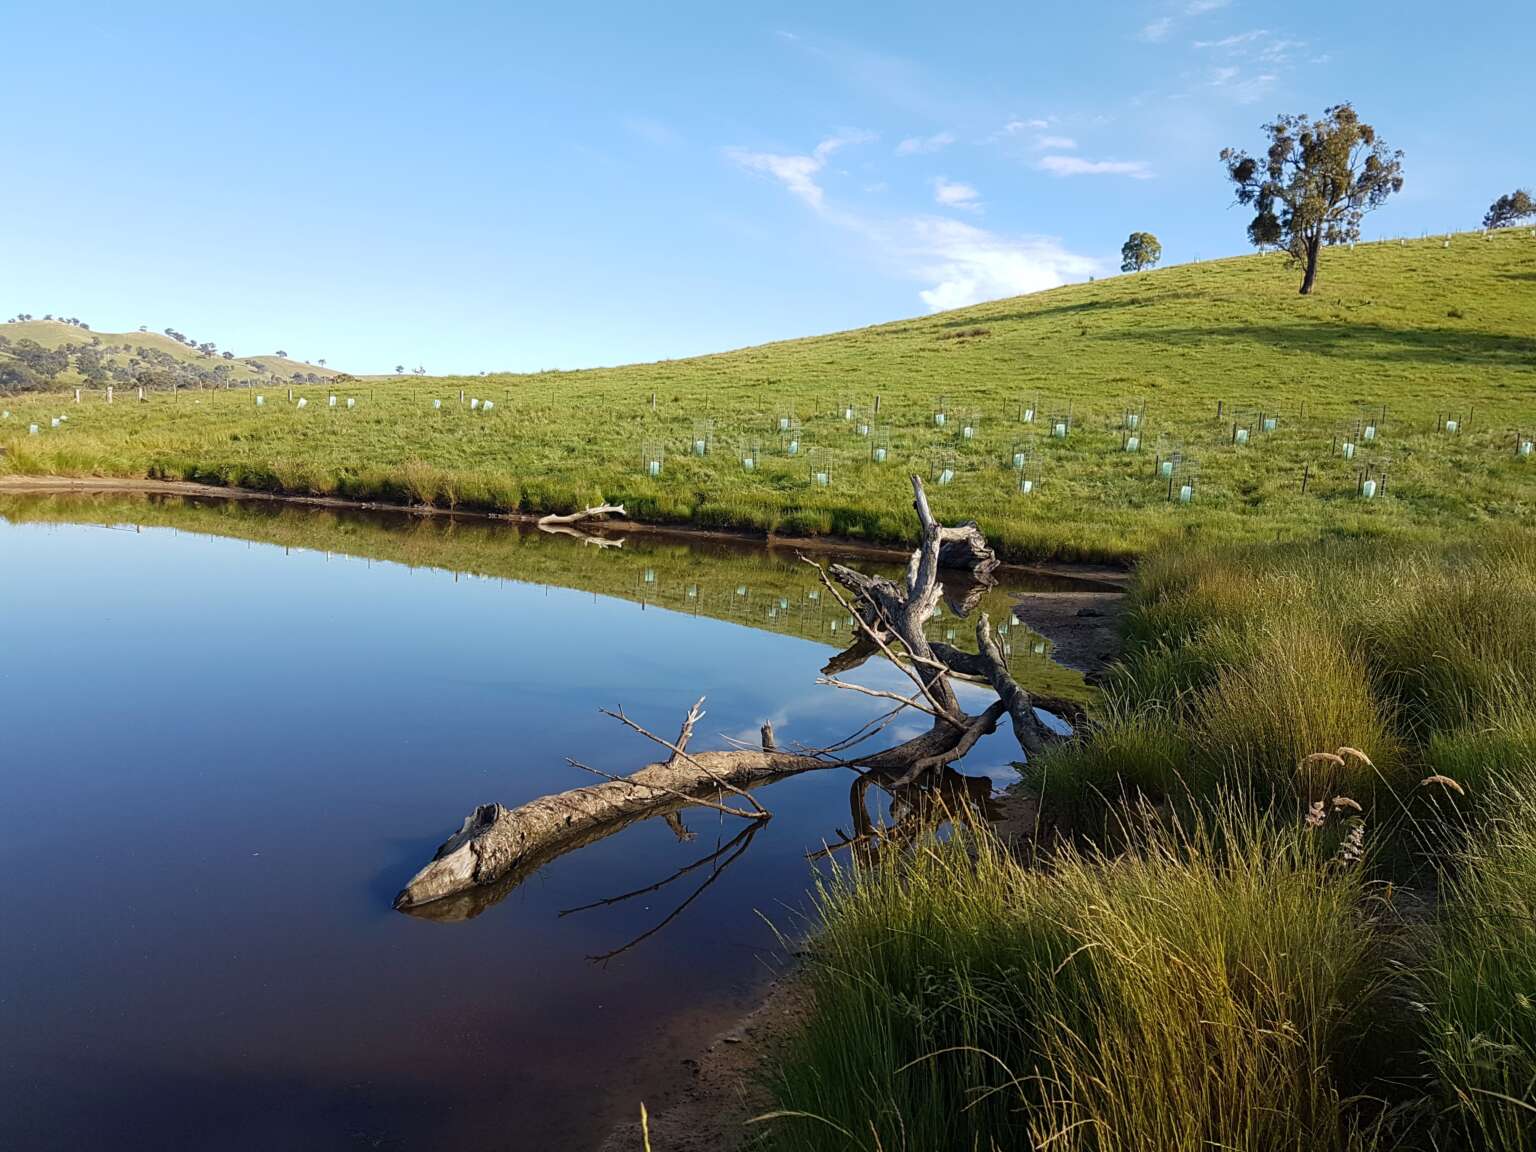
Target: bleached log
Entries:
(597, 512)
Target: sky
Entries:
(515, 187)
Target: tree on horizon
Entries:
(1510, 209)
(1315, 182)
(1142, 250)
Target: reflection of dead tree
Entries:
(914, 809)
(584, 537)
(722, 858)
(496, 841)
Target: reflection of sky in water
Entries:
(222, 760)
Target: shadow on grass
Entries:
(1360, 341)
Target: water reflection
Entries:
(261, 719)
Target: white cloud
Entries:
(953, 194)
(1157, 31)
(1201, 7)
(1078, 166)
(969, 264)
(917, 145)
(1056, 143)
(1234, 41)
(797, 173)
(1016, 127)
(961, 263)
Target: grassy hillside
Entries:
(120, 348)
(1420, 330)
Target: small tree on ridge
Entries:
(1142, 250)
(1507, 211)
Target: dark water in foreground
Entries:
(221, 758)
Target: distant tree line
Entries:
(27, 366)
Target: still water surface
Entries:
(226, 748)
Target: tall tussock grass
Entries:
(1257, 656)
(1285, 897)
(1206, 988)
(1479, 974)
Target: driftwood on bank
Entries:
(597, 512)
(496, 844)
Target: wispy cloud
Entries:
(1201, 7)
(1079, 166)
(1231, 82)
(1056, 143)
(960, 263)
(1020, 127)
(1157, 31)
(918, 145)
(798, 173)
(953, 194)
(1234, 41)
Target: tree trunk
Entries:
(494, 840)
(1314, 246)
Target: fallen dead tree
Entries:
(496, 843)
(596, 512)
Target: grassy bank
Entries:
(1233, 943)
(1421, 330)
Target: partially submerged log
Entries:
(497, 847)
(495, 840)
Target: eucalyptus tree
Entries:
(1315, 182)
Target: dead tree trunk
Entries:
(495, 840)
(496, 843)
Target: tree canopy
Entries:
(1142, 250)
(1509, 210)
(1314, 183)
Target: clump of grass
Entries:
(1206, 989)
(1479, 975)
(1299, 689)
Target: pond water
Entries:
(232, 731)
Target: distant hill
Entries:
(123, 356)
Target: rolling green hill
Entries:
(124, 349)
(1402, 336)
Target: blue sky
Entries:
(515, 187)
